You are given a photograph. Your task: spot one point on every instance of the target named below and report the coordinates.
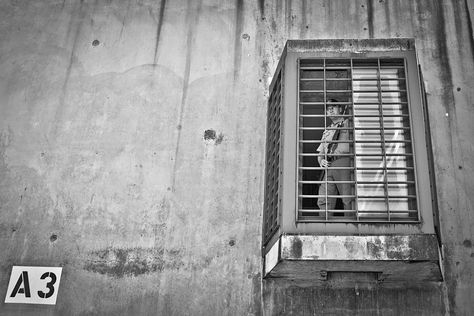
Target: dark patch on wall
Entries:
(387, 17)
(446, 73)
(375, 248)
(53, 238)
(209, 134)
(304, 27)
(467, 243)
(116, 262)
(239, 12)
(297, 248)
(95, 43)
(370, 17)
(158, 28)
(256, 308)
(219, 139)
(469, 27)
(261, 7)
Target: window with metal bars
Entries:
(355, 160)
(272, 176)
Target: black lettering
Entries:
(22, 280)
(49, 285)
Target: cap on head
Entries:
(333, 103)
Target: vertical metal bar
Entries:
(382, 135)
(299, 200)
(325, 151)
(354, 159)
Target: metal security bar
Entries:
(272, 171)
(373, 178)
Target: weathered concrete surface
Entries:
(132, 143)
(395, 260)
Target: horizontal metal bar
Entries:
(330, 168)
(324, 196)
(327, 91)
(321, 103)
(381, 79)
(325, 67)
(377, 91)
(324, 211)
(358, 182)
(385, 115)
(329, 155)
(319, 182)
(327, 79)
(387, 196)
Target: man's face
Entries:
(333, 110)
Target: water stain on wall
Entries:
(125, 262)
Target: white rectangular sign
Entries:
(33, 285)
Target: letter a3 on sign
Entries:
(33, 285)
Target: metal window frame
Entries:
(367, 48)
(377, 68)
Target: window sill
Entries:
(369, 258)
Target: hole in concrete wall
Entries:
(53, 238)
(95, 43)
(231, 242)
(209, 134)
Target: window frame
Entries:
(289, 222)
(410, 85)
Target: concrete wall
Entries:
(132, 150)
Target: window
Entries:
(376, 139)
(347, 184)
(371, 174)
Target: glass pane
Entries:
(366, 85)
(399, 175)
(367, 122)
(402, 204)
(312, 85)
(388, 85)
(311, 74)
(372, 204)
(365, 74)
(370, 175)
(392, 73)
(368, 135)
(369, 148)
(311, 96)
(366, 97)
(371, 190)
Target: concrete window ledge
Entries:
(381, 258)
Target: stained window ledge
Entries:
(320, 260)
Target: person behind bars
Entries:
(331, 154)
